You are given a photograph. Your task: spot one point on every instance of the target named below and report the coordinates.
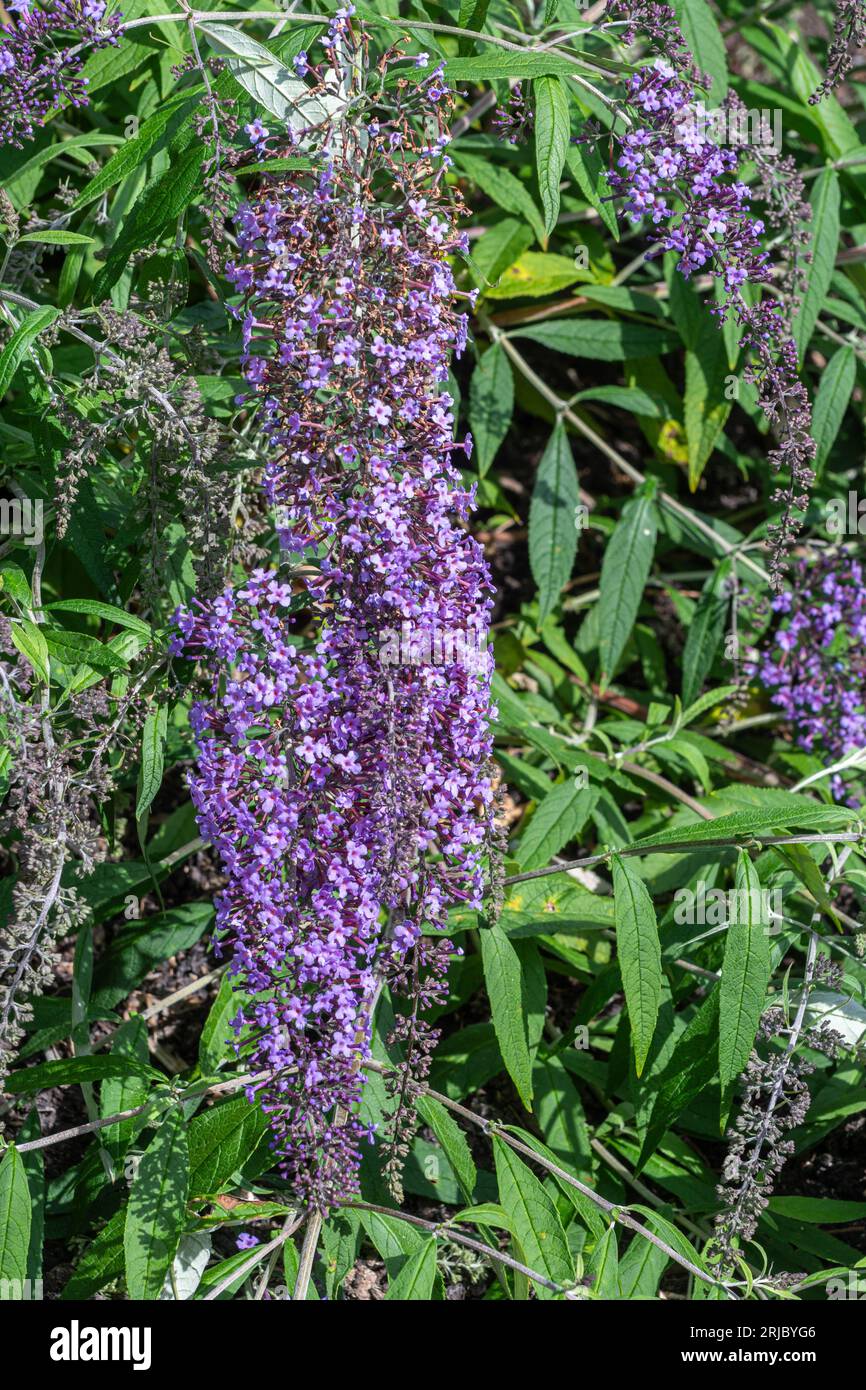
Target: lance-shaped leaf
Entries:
(831, 402)
(639, 954)
(503, 977)
(552, 136)
(705, 632)
(156, 1214)
(689, 1071)
(491, 404)
(415, 1280)
(745, 973)
(624, 572)
(19, 344)
(533, 1219)
(824, 227)
(14, 1223)
(552, 529)
(558, 820)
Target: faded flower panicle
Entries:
(63, 764)
(347, 796)
(42, 54)
(815, 664)
(775, 1099)
(673, 171)
(849, 34)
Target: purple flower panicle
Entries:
(346, 792)
(815, 666)
(41, 60)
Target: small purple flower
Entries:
(256, 131)
(247, 1241)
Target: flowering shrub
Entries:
(814, 667)
(431, 656)
(41, 60)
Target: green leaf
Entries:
(639, 954)
(560, 1115)
(604, 340)
(603, 1266)
(14, 582)
(631, 398)
(498, 249)
(557, 820)
(101, 1262)
(54, 236)
(70, 1071)
(471, 15)
(452, 1139)
(831, 402)
(135, 150)
(535, 275)
(811, 815)
(19, 344)
(73, 648)
(491, 404)
(93, 607)
(30, 642)
(269, 82)
(222, 1140)
(121, 1093)
(504, 65)
(705, 632)
(745, 974)
(505, 190)
(705, 408)
(156, 1214)
(503, 978)
(819, 1211)
(552, 529)
(152, 758)
(213, 1047)
(705, 44)
(666, 1231)
(552, 138)
(588, 170)
(273, 166)
(136, 950)
(825, 244)
(14, 1223)
(689, 1071)
(625, 569)
(159, 205)
(533, 1218)
(415, 1280)
(34, 1171)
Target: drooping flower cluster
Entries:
(674, 170)
(676, 173)
(42, 54)
(849, 35)
(815, 669)
(343, 780)
(514, 121)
